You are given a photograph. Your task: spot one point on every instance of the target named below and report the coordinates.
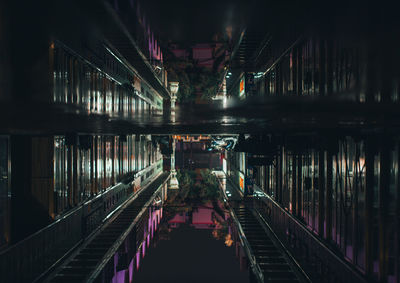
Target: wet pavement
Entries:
(283, 114)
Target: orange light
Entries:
(241, 86)
(228, 240)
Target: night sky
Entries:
(187, 21)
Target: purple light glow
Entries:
(131, 269)
(119, 277)
(138, 259)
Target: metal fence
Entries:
(30, 258)
(320, 263)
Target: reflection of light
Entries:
(361, 164)
(228, 240)
(215, 234)
(138, 259)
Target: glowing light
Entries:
(241, 87)
(138, 259)
(228, 240)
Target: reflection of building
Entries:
(191, 153)
(202, 217)
(202, 54)
(178, 219)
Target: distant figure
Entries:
(249, 187)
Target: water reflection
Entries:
(195, 243)
(186, 243)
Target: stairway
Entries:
(83, 263)
(270, 258)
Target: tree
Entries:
(193, 78)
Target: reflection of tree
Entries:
(221, 231)
(195, 192)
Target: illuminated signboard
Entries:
(241, 181)
(241, 86)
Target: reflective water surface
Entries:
(192, 243)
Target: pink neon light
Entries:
(138, 259)
(131, 267)
(120, 276)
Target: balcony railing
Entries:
(320, 263)
(35, 255)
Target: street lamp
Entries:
(173, 182)
(173, 88)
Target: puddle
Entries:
(193, 244)
(191, 238)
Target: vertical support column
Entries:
(321, 189)
(294, 185)
(93, 166)
(279, 169)
(329, 67)
(173, 183)
(112, 157)
(299, 185)
(173, 86)
(299, 70)
(369, 193)
(397, 221)
(322, 74)
(75, 175)
(328, 195)
(104, 183)
(32, 185)
(294, 69)
(70, 182)
(21, 160)
(383, 210)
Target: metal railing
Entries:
(243, 240)
(320, 263)
(29, 258)
(32, 257)
(105, 270)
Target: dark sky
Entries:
(195, 21)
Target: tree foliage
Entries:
(193, 78)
